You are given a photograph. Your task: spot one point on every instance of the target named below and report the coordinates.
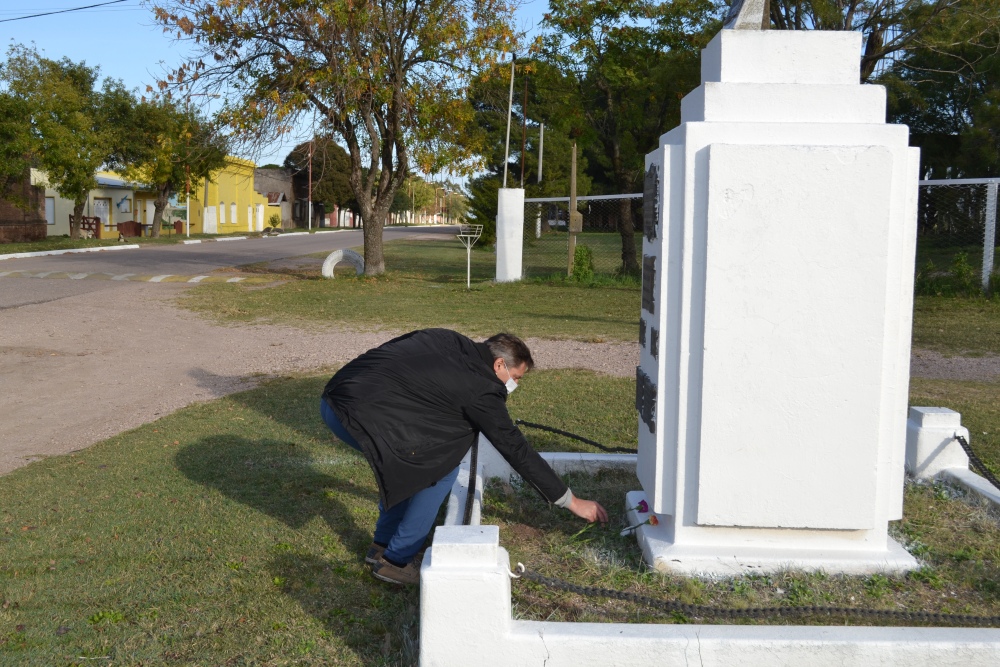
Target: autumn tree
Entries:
(168, 148)
(388, 78)
(632, 61)
(75, 126)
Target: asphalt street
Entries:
(207, 257)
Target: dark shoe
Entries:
(375, 552)
(403, 576)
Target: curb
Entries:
(43, 253)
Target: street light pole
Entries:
(310, 184)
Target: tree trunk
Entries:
(74, 223)
(626, 228)
(159, 204)
(372, 232)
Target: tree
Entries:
(890, 29)
(15, 147)
(551, 98)
(387, 77)
(167, 149)
(331, 168)
(75, 127)
(632, 61)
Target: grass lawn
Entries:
(426, 288)
(956, 326)
(230, 532)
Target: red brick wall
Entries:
(17, 224)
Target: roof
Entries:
(113, 182)
(275, 198)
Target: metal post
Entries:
(989, 240)
(510, 104)
(310, 184)
(468, 267)
(572, 209)
(541, 145)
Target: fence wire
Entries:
(956, 238)
(546, 237)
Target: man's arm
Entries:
(489, 414)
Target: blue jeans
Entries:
(403, 527)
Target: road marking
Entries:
(122, 276)
(197, 279)
(156, 279)
(78, 276)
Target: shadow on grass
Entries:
(277, 478)
(377, 620)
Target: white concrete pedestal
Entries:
(780, 229)
(510, 234)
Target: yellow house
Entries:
(227, 203)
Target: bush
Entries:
(964, 276)
(274, 221)
(583, 264)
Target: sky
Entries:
(124, 41)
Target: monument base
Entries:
(715, 560)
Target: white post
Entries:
(930, 442)
(538, 223)
(187, 217)
(510, 104)
(510, 234)
(468, 267)
(989, 240)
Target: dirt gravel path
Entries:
(83, 366)
(76, 369)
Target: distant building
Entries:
(276, 185)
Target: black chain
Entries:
(698, 610)
(542, 427)
(977, 463)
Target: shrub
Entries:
(583, 264)
(964, 276)
(274, 220)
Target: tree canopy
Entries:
(75, 126)
(387, 77)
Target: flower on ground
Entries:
(652, 521)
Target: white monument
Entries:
(776, 310)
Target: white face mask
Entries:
(510, 384)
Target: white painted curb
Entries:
(231, 238)
(44, 253)
(191, 242)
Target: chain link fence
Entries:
(546, 233)
(956, 237)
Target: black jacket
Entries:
(416, 405)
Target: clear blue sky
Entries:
(123, 40)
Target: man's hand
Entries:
(589, 510)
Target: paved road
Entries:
(207, 257)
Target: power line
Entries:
(62, 11)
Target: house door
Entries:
(102, 210)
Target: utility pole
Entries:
(575, 223)
(524, 126)
(311, 183)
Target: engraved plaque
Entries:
(651, 203)
(649, 283)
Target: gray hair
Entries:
(511, 349)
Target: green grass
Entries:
(956, 326)
(426, 288)
(230, 532)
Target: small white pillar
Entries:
(464, 597)
(510, 234)
(930, 442)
